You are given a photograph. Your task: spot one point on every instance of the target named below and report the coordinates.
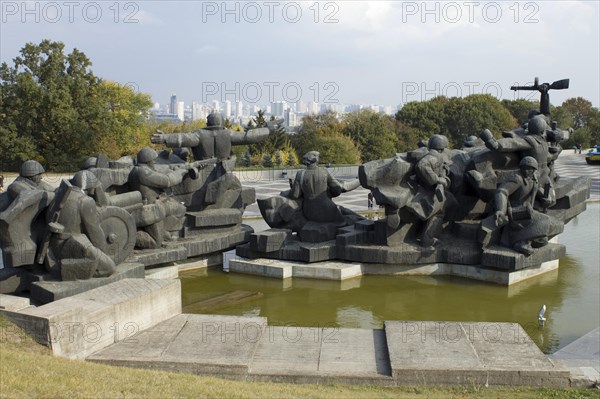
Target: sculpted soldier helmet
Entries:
(528, 162)
(537, 125)
(146, 155)
(438, 142)
(85, 179)
(214, 121)
(310, 158)
(91, 162)
(31, 168)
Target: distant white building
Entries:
(313, 108)
(278, 108)
(216, 106)
(300, 107)
(290, 118)
(227, 109)
(239, 109)
(387, 110)
(180, 110)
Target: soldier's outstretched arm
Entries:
(252, 136)
(176, 140)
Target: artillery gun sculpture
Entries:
(113, 219)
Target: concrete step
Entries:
(421, 353)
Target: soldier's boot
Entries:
(523, 247)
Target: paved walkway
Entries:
(582, 357)
(404, 352)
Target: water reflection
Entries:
(571, 295)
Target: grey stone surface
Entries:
(197, 344)
(269, 240)
(215, 217)
(48, 291)
(164, 272)
(285, 269)
(582, 358)
(77, 326)
(294, 250)
(13, 303)
(151, 257)
(407, 353)
(14, 280)
(200, 245)
(453, 353)
(500, 258)
(347, 271)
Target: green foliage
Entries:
(324, 133)
(520, 108)
(373, 133)
(267, 161)
(56, 111)
(472, 114)
(456, 117)
(278, 159)
(579, 109)
(585, 119)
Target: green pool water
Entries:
(571, 295)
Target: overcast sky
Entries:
(351, 52)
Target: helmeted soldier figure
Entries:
(78, 244)
(533, 144)
(158, 207)
(214, 141)
(432, 174)
(30, 178)
(513, 202)
(316, 186)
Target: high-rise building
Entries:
(227, 109)
(300, 107)
(239, 109)
(180, 110)
(313, 108)
(290, 118)
(173, 104)
(387, 110)
(277, 108)
(216, 106)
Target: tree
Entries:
(579, 109)
(520, 108)
(55, 110)
(324, 133)
(472, 114)
(373, 133)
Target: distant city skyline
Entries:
(383, 52)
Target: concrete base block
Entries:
(200, 262)
(77, 326)
(194, 344)
(165, 272)
(286, 269)
(293, 250)
(348, 270)
(49, 291)
(152, 257)
(261, 267)
(453, 353)
(405, 352)
(13, 303)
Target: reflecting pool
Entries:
(571, 295)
